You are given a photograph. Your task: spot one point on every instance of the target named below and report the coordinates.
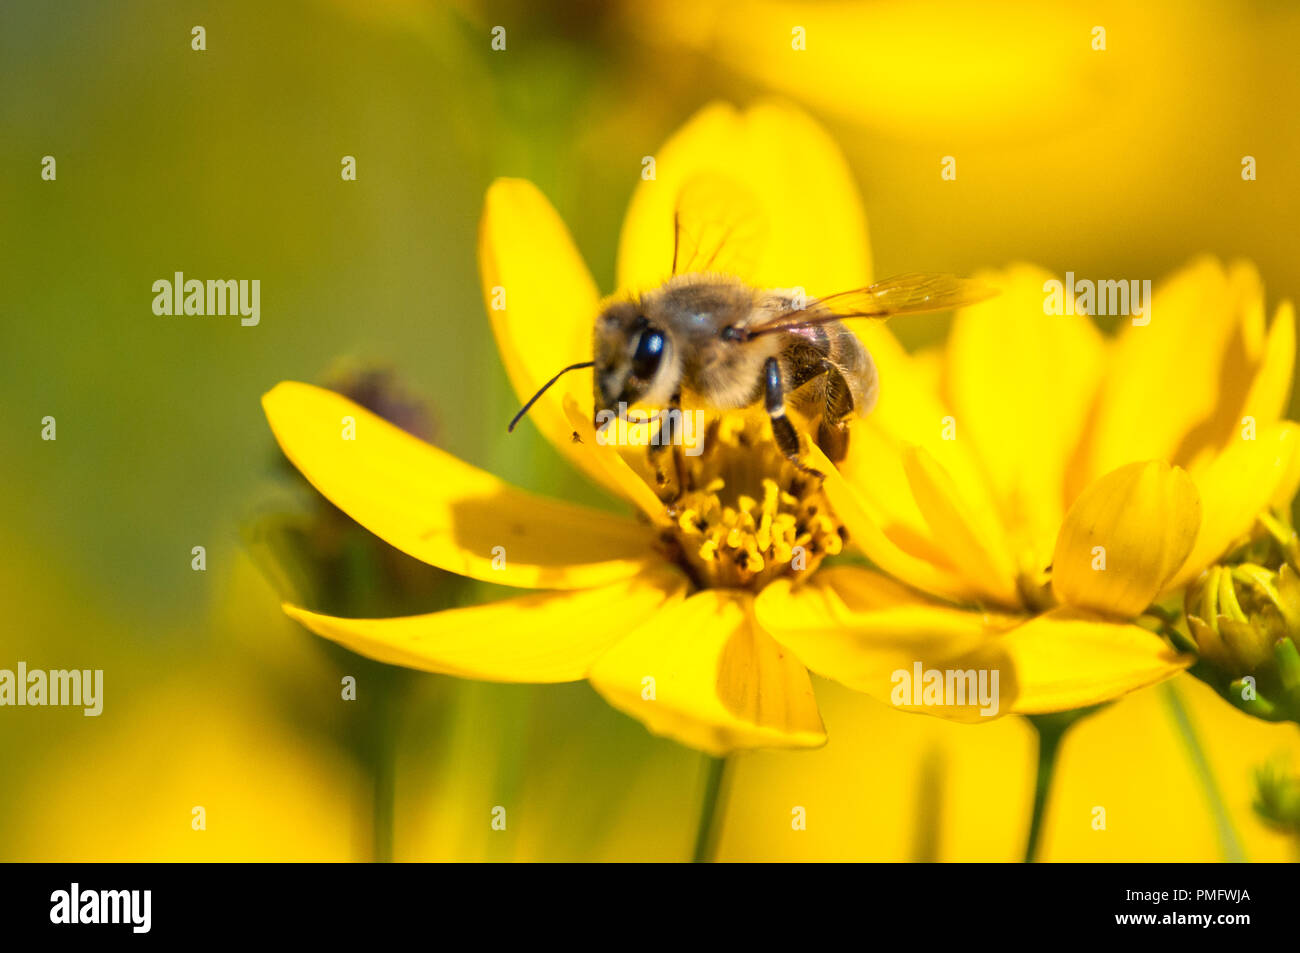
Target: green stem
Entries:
(1050, 731)
(712, 809)
(1228, 841)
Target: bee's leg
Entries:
(672, 428)
(668, 492)
(833, 439)
(833, 432)
(663, 486)
(679, 460)
(782, 430)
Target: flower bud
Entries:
(1244, 617)
(1277, 799)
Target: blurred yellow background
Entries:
(1122, 162)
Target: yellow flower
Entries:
(656, 612)
(1053, 482)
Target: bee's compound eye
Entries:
(649, 351)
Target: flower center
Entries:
(745, 514)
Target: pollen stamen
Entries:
(748, 515)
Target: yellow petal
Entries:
(1237, 486)
(436, 508)
(863, 630)
(542, 303)
(1255, 380)
(1270, 391)
(1195, 346)
(970, 535)
(874, 468)
(540, 637)
(1288, 483)
(1070, 658)
(704, 674)
(1021, 384)
(865, 533)
(859, 627)
(812, 230)
(909, 412)
(1125, 536)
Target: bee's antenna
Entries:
(532, 400)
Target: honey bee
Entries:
(708, 340)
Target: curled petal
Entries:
(1243, 481)
(704, 674)
(1125, 536)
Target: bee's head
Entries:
(634, 359)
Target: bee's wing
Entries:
(902, 294)
(718, 226)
